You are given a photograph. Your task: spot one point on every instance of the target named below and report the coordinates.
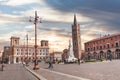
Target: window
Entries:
(116, 44)
(91, 49)
(100, 47)
(108, 46)
(94, 48)
(88, 49)
(40, 50)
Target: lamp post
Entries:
(27, 59)
(35, 46)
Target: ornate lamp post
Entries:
(36, 66)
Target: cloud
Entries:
(105, 12)
(7, 18)
(76, 5)
(20, 2)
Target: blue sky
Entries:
(94, 16)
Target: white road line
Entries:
(68, 75)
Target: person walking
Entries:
(78, 61)
(50, 63)
(2, 67)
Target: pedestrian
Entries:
(78, 61)
(2, 67)
(50, 63)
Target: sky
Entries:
(96, 18)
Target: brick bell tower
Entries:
(76, 38)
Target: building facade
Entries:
(6, 54)
(1, 57)
(19, 52)
(65, 54)
(103, 47)
(57, 56)
(76, 38)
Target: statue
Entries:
(71, 57)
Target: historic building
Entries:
(76, 38)
(65, 54)
(6, 54)
(103, 47)
(57, 56)
(1, 56)
(17, 53)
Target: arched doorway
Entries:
(88, 55)
(109, 54)
(101, 55)
(17, 60)
(117, 52)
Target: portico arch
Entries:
(89, 55)
(117, 52)
(109, 54)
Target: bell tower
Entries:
(14, 41)
(76, 38)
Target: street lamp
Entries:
(27, 60)
(36, 66)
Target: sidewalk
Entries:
(16, 72)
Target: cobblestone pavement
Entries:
(107, 70)
(15, 72)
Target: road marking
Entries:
(68, 75)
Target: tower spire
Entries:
(75, 20)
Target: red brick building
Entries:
(103, 47)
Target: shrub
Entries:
(91, 60)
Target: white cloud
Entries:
(49, 14)
(22, 2)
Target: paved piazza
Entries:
(107, 70)
(16, 72)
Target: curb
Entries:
(35, 74)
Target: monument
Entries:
(71, 57)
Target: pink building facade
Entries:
(103, 47)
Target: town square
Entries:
(59, 40)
